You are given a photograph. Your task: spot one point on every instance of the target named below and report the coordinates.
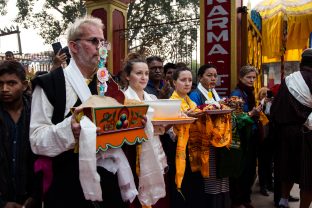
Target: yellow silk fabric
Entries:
(208, 130)
(299, 29)
(182, 131)
(187, 103)
(263, 118)
(298, 15)
(219, 129)
(199, 147)
(272, 31)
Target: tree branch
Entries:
(135, 32)
(56, 8)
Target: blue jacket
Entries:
(197, 97)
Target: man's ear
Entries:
(73, 46)
(174, 82)
(25, 85)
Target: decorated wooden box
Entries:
(118, 125)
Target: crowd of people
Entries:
(40, 167)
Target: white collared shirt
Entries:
(45, 137)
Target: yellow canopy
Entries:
(277, 15)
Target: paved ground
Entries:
(260, 201)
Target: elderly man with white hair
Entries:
(54, 131)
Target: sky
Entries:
(31, 42)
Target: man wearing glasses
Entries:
(54, 132)
(157, 85)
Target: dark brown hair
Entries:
(13, 67)
(177, 72)
(131, 59)
(203, 68)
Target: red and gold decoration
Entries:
(118, 125)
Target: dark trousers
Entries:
(240, 188)
(265, 162)
(72, 196)
(192, 185)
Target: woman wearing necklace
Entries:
(187, 183)
(241, 187)
(152, 162)
(215, 193)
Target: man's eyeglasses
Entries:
(95, 41)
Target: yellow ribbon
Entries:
(210, 95)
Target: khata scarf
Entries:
(152, 160)
(113, 159)
(209, 99)
(209, 130)
(301, 92)
(182, 131)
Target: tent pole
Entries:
(282, 67)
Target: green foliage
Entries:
(53, 19)
(154, 26)
(194, 65)
(3, 4)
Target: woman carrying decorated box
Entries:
(216, 190)
(151, 165)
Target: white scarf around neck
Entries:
(152, 160)
(301, 92)
(77, 81)
(211, 100)
(112, 160)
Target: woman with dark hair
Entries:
(241, 187)
(205, 92)
(187, 183)
(215, 190)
